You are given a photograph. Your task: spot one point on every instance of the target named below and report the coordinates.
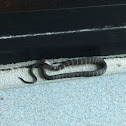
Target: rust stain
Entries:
(118, 65)
(1, 98)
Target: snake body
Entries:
(88, 60)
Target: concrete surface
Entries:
(9, 78)
(96, 101)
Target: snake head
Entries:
(46, 62)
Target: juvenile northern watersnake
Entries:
(88, 60)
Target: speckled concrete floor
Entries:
(96, 101)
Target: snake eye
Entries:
(43, 61)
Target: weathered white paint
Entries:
(61, 32)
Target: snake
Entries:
(45, 64)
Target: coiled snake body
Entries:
(88, 60)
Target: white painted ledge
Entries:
(9, 78)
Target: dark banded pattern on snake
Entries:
(88, 60)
